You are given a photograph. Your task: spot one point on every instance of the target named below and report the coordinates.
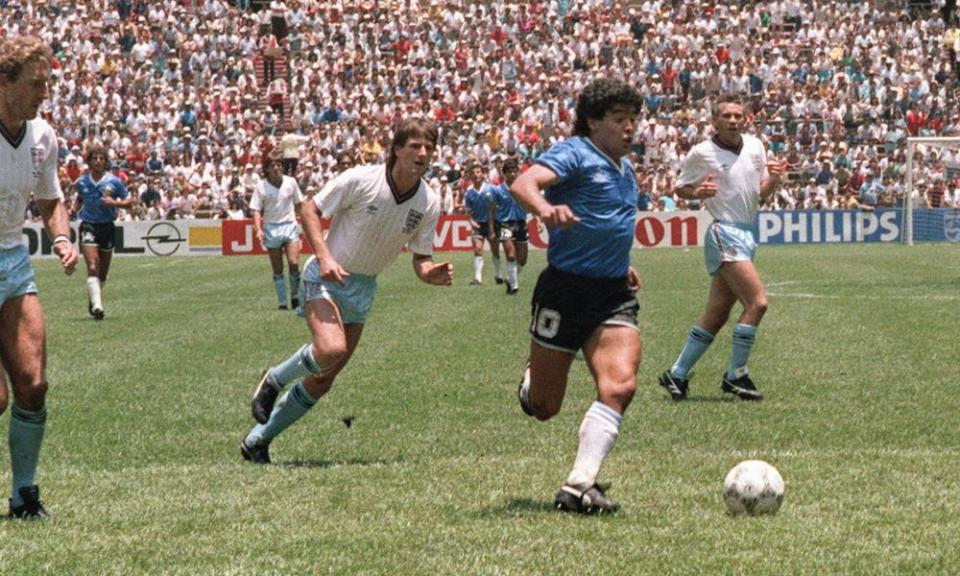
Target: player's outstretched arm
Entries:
(436, 273)
(330, 269)
(54, 216)
(527, 190)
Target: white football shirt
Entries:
(277, 205)
(369, 225)
(738, 177)
(28, 163)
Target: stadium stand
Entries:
(189, 94)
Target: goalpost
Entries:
(913, 143)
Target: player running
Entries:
(585, 299)
(512, 220)
(730, 173)
(477, 201)
(99, 194)
(375, 212)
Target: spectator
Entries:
(501, 81)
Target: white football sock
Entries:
(93, 290)
(496, 267)
(478, 268)
(598, 435)
(512, 274)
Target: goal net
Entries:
(931, 206)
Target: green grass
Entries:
(441, 474)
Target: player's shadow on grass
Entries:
(704, 399)
(519, 507)
(320, 464)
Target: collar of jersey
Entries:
(397, 196)
(604, 154)
(723, 146)
(14, 139)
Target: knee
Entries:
(329, 354)
(759, 306)
(545, 408)
(31, 395)
(619, 392)
(294, 267)
(317, 385)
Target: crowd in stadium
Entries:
(190, 94)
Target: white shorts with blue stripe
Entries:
(16, 274)
(279, 235)
(354, 298)
(728, 242)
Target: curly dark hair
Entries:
(599, 97)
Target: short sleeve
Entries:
(334, 195)
(693, 170)
(48, 185)
(563, 159)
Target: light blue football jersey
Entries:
(93, 210)
(603, 195)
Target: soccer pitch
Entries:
(440, 472)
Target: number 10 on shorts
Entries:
(546, 322)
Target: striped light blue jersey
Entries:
(603, 195)
(508, 209)
(93, 210)
(478, 203)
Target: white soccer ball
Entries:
(753, 487)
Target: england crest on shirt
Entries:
(951, 225)
(413, 221)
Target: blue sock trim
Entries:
(28, 417)
(702, 335)
(299, 393)
(298, 365)
(306, 356)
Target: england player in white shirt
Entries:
(730, 173)
(275, 203)
(28, 164)
(375, 212)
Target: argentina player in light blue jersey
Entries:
(483, 221)
(730, 173)
(512, 219)
(585, 299)
(99, 194)
(28, 165)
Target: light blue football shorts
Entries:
(278, 235)
(354, 298)
(728, 242)
(16, 274)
